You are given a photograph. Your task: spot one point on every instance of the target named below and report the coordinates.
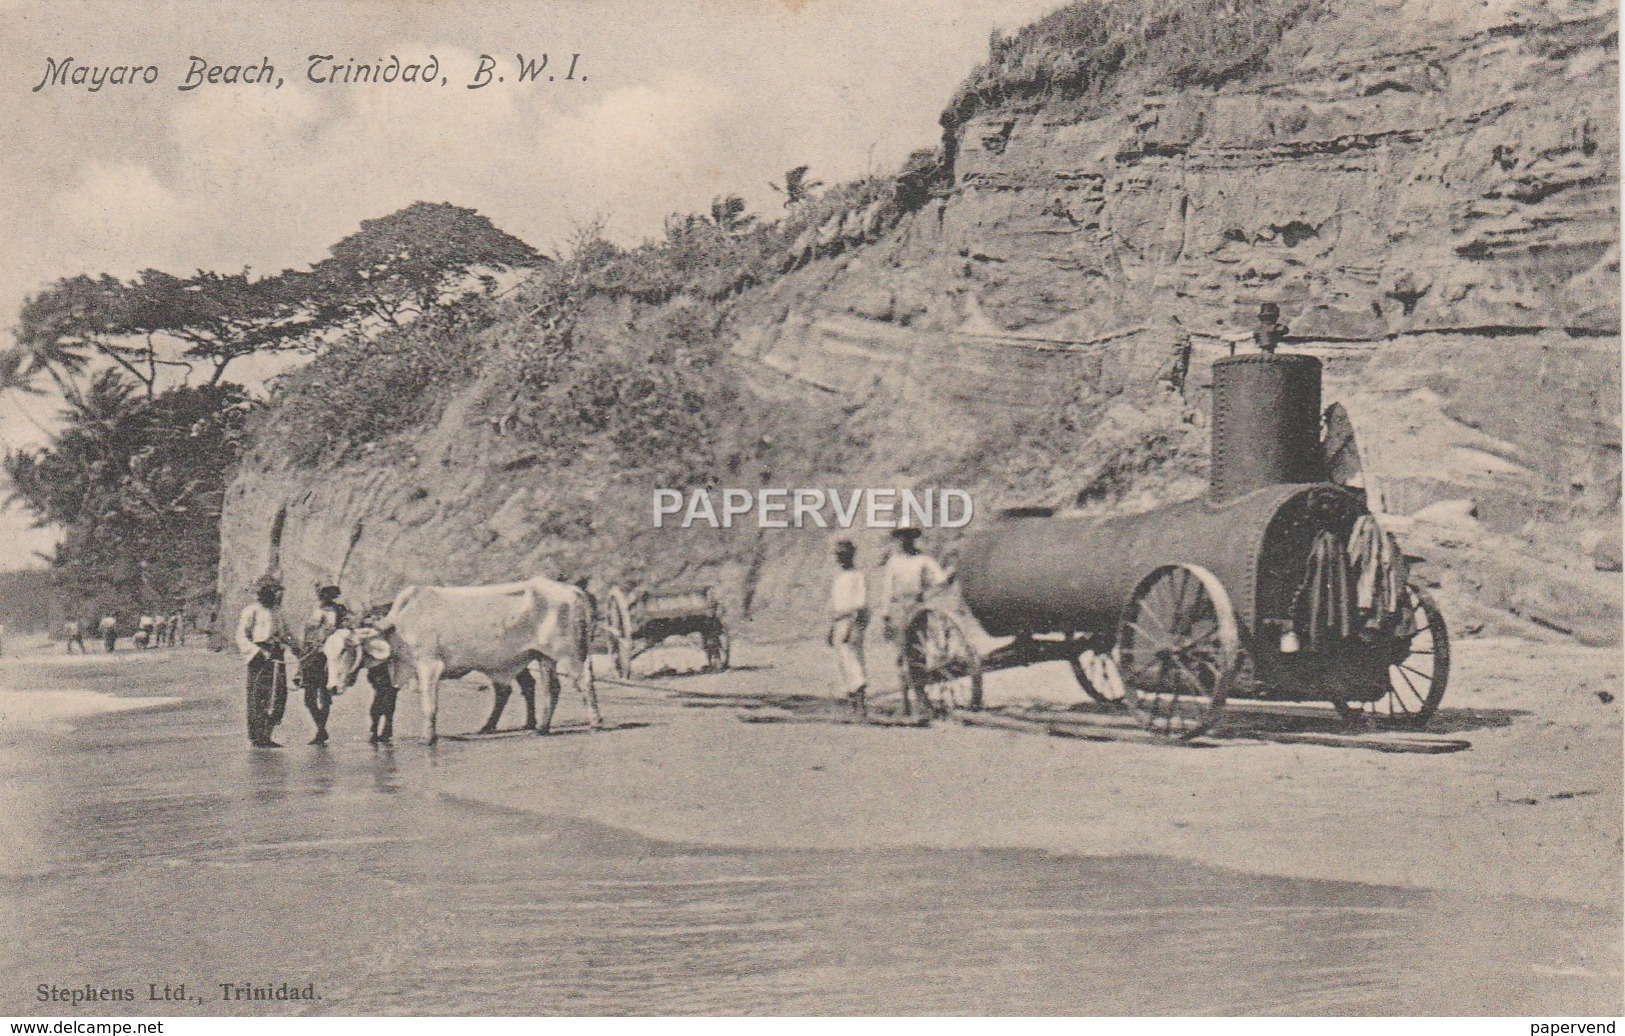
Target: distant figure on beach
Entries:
(2, 640)
(848, 619)
(143, 632)
(109, 628)
(262, 639)
(73, 635)
(1270, 331)
(175, 636)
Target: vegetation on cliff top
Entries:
(1091, 50)
(660, 396)
(136, 472)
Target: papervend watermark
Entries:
(816, 508)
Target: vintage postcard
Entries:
(810, 508)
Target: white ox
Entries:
(444, 632)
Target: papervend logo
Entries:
(815, 508)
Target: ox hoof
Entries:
(489, 728)
(529, 726)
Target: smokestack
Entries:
(1266, 423)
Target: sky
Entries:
(672, 103)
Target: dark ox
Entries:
(444, 632)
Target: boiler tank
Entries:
(1266, 423)
(1071, 573)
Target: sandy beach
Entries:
(1532, 808)
(1504, 858)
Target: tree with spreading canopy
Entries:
(137, 469)
(389, 272)
(399, 266)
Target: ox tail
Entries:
(581, 628)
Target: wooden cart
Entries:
(638, 620)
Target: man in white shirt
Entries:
(848, 619)
(261, 639)
(908, 576)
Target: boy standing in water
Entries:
(328, 617)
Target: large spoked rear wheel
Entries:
(1418, 672)
(1179, 651)
(618, 620)
(941, 670)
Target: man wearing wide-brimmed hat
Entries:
(848, 619)
(262, 638)
(907, 577)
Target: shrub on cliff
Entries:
(658, 401)
(661, 398)
(363, 390)
(1094, 49)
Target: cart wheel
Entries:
(1179, 650)
(716, 650)
(939, 663)
(1419, 672)
(1098, 676)
(618, 620)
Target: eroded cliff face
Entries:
(1429, 191)
(1457, 183)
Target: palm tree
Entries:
(728, 213)
(797, 188)
(56, 330)
(16, 375)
